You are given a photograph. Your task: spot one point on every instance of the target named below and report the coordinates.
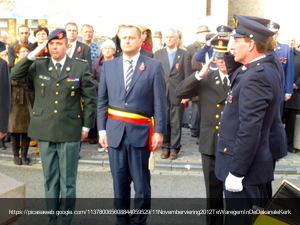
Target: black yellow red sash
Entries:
(119, 114)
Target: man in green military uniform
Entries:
(63, 111)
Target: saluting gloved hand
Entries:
(233, 183)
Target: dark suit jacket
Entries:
(252, 105)
(83, 51)
(212, 100)
(294, 102)
(5, 95)
(146, 53)
(146, 94)
(58, 114)
(180, 70)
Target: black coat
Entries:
(244, 138)
(5, 95)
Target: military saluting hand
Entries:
(205, 68)
(39, 48)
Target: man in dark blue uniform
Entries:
(286, 57)
(243, 159)
(212, 88)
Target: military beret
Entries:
(57, 34)
(254, 28)
(223, 30)
(220, 47)
(273, 26)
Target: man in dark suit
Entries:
(23, 33)
(212, 88)
(177, 66)
(4, 100)
(131, 91)
(76, 48)
(59, 120)
(292, 106)
(244, 161)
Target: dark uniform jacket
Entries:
(294, 102)
(212, 100)
(58, 114)
(252, 105)
(5, 95)
(180, 70)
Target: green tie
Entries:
(58, 69)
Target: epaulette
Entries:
(259, 67)
(42, 57)
(81, 60)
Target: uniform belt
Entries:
(133, 118)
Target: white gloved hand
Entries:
(233, 183)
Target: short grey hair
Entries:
(174, 31)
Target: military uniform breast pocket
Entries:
(43, 88)
(73, 88)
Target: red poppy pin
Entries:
(79, 49)
(177, 65)
(142, 67)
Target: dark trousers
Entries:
(60, 163)
(129, 164)
(195, 118)
(214, 190)
(289, 118)
(251, 195)
(172, 140)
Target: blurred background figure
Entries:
(116, 40)
(23, 35)
(108, 50)
(40, 34)
(3, 45)
(87, 34)
(157, 41)
(146, 38)
(22, 96)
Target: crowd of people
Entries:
(238, 91)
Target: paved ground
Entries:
(189, 160)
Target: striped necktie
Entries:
(128, 75)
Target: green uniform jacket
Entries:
(63, 105)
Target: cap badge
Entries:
(60, 35)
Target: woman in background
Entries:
(21, 109)
(108, 50)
